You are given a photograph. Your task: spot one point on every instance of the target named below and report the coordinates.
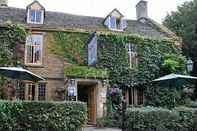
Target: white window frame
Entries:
(41, 46)
(34, 22)
(131, 54)
(115, 29)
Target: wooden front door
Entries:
(91, 104)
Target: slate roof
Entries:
(57, 20)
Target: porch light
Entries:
(189, 65)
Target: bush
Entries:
(56, 116)
(165, 96)
(188, 118)
(105, 121)
(151, 119)
(159, 119)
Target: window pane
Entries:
(113, 22)
(34, 49)
(37, 39)
(21, 91)
(32, 15)
(132, 55)
(38, 16)
(31, 92)
(42, 91)
(140, 96)
(37, 54)
(29, 57)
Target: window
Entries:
(113, 22)
(118, 24)
(35, 16)
(33, 49)
(36, 92)
(135, 96)
(140, 96)
(132, 55)
(31, 91)
(41, 91)
(21, 91)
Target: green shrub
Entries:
(165, 96)
(106, 121)
(149, 118)
(188, 118)
(56, 116)
(160, 119)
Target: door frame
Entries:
(89, 84)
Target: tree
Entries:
(183, 23)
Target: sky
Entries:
(157, 9)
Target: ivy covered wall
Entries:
(156, 57)
(113, 55)
(11, 36)
(150, 53)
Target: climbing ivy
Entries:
(113, 55)
(84, 71)
(70, 46)
(10, 37)
(153, 59)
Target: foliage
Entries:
(159, 119)
(10, 37)
(112, 55)
(174, 63)
(69, 46)
(155, 56)
(60, 116)
(115, 95)
(105, 121)
(165, 96)
(85, 71)
(183, 23)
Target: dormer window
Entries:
(35, 16)
(115, 21)
(35, 13)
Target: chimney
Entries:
(142, 9)
(3, 3)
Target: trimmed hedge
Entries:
(34, 116)
(159, 119)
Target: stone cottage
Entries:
(38, 59)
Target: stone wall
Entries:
(52, 69)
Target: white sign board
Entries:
(92, 50)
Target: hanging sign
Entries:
(92, 51)
(72, 91)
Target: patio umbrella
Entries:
(19, 74)
(174, 80)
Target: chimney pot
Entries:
(142, 9)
